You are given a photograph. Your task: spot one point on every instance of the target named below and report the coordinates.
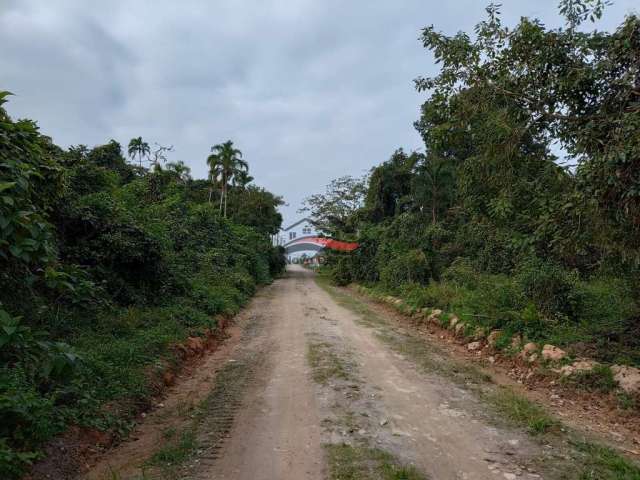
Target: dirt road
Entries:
(317, 388)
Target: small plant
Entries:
(44, 360)
(178, 448)
(523, 412)
(598, 379)
(602, 463)
(626, 401)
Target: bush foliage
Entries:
(487, 223)
(103, 266)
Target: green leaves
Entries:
(578, 11)
(332, 211)
(44, 360)
(3, 99)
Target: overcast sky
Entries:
(309, 90)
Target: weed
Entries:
(169, 433)
(602, 463)
(347, 462)
(325, 363)
(626, 401)
(599, 379)
(177, 450)
(521, 411)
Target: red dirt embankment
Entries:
(79, 448)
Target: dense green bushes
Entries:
(486, 222)
(103, 266)
(593, 317)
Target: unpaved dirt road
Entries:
(316, 390)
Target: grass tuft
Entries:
(177, 449)
(600, 379)
(602, 463)
(347, 462)
(325, 363)
(521, 411)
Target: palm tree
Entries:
(434, 184)
(139, 148)
(225, 167)
(182, 172)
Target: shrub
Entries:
(599, 379)
(549, 287)
(495, 302)
(441, 295)
(461, 273)
(28, 419)
(340, 269)
(276, 260)
(414, 295)
(14, 463)
(44, 361)
(405, 267)
(607, 305)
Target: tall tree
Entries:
(433, 185)
(389, 191)
(182, 171)
(139, 148)
(226, 166)
(333, 210)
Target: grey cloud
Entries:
(309, 90)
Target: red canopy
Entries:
(327, 243)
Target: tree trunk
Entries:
(434, 201)
(224, 182)
(433, 210)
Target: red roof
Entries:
(327, 243)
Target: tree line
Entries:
(104, 264)
(522, 213)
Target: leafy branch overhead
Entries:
(332, 210)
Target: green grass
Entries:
(600, 379)
(602, 463)
(177, 449)
(347, 462)
(521, 411)
(586, 461)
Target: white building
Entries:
(292, 238)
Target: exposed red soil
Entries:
(79, 449)
(593, 413)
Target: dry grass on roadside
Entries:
(348, 462)
(584, 460)
(521, 412)
(325, 363)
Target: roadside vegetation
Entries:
(523, 213)
(574, 456)
(356, 462)
(105, 264)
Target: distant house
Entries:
(294, 233)
(302, 228)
